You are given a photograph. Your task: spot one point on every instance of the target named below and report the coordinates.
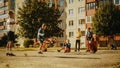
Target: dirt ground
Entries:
(54, 59)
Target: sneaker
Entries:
(7, 54)
(11, 54)
(45, 50)
(75, 50)
(87, 50)
(58, 50)
(40, 52)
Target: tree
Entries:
(106, 21)
(33, 14)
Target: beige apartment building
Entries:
(75, 10)
(5, 6)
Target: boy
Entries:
(66, 47)
(11, 36)
(41, 37)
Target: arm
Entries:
(40, 32)
(12, 23)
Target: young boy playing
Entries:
(11, 36)
(66, 47)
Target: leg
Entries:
(61, 49)
(44, 47)
(40, 49)
(76, 46)
(9, 48)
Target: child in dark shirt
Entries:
(66, 47)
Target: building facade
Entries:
(5, 6)
(91, 7)
(75, 18)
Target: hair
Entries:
(43, 24)
(11, 12)
(89, 28)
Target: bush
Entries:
(3, 41)
(28, 42)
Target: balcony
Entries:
(87, 1)
(4, 16)
(90, 12)
(2, 27)
(1, 20)
(1, 12)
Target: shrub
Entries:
(3, 41)
(28, 42)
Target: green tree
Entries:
(106, 21)
(33, 14)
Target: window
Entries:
(1, 23)
(91, 6)
(83, 33)
(70, 11)
(102, 2)
(61, 25)
(81, 10)
(3, 8)
(70, 1)
(18, 5)
(61, 35)
(1, 1)
(62, 14)
(117, 2)
(88, 19)
(80, 0)
(81, 21)
(71, 34)
(4, 16)
(52, 1)
(71, 23)
(61, 2)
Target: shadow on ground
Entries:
(68, 57)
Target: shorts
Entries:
(41, 41)
(11, 36)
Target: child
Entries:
(93, 44)
(44, 45)
(66, 47)
(11, 33)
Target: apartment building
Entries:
(91, 7)
(75, 18)
(62, 6)
(5, 6)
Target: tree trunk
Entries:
(111, 41)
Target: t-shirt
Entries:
(89, 35)
(68, 45)
(78, 35)
(41, 34)
(10, 27)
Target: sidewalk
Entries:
(54, 59)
